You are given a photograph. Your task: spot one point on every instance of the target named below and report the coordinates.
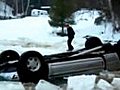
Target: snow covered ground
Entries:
(34, 33)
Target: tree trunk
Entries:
(5, 12)
(62, 26)
(16, 5)
(62, 29)
(22, 5)
(28, 4)
(112, 15)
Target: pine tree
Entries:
(61, 13)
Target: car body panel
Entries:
(67, 68)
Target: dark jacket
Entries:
(70, 32)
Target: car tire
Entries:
(92, 42)
(108, 48)
(32, 67)
(117, 48)
(9, 55)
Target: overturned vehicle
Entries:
(31, 66)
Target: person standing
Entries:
(70, 33)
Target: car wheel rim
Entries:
(33, 64)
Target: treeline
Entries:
(21, 5)
(110, 8)
(25, 6)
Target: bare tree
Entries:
(22, 5)
(16, 5)
(5, 8)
